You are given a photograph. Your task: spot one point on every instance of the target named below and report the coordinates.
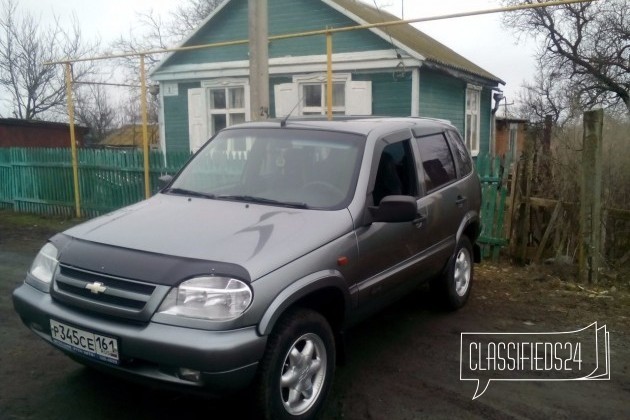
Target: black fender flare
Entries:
(326, 279)
(469, 218)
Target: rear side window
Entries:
(437, 161)
(462, 157)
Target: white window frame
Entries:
(289, 98)
(472, 139)
(226, 84)
(200, 122)
(321, 80)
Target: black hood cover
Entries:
(138, 265)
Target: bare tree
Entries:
(549, 94)
(35, 89)
(94, 111)
(187, 16)
(541, 96)
(151, 34)
(156, 32)
(586, 45)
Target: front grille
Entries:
(107, 294)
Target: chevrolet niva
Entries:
(245, 269)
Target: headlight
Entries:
(214, 298)
(43, 267)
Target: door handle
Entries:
(418, 221)
(461, 199)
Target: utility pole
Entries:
(258, 59)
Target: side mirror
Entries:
(395, 209)
(164, 180)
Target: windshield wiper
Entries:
(182, 191)
(262, 200)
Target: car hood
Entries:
(259, 238)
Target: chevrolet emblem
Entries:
(96, 287)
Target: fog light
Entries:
(189, 374)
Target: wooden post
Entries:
(329, 74)
(525, 221)
(145, 131)
(73, 143)
(511, 200)
(546, 141)
(591, 197)
(550, 227)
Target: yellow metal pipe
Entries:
(331, 30)
(73, 143)
(156, 51)
(145, 131)
(107, 84)
(329, 74)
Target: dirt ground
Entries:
(402, 363)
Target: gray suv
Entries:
(247, 266)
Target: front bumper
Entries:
(226, 360)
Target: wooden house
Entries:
(393, 71)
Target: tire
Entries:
(297, 370)
(452, 289)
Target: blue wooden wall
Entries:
(285, 16)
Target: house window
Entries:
(307, 96)
(473, 107)
(215, 105)
(226, 107)
(314, 99)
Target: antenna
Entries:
(391, 40)
(283, 122)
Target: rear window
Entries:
(437, 161)
(462, 157)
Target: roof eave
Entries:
(379, 32)
(464, 74)
(189, 37)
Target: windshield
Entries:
(282, 166)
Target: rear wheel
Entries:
(297, 370)
(453, 287)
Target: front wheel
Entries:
(453, 287)
(297, 370)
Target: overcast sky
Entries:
(481, 39)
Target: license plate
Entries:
(90, 344)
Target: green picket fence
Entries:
(6, 187)
(40, 180)
(493, 173)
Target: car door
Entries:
(468, 185)
(444, 198)
(388, 250)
